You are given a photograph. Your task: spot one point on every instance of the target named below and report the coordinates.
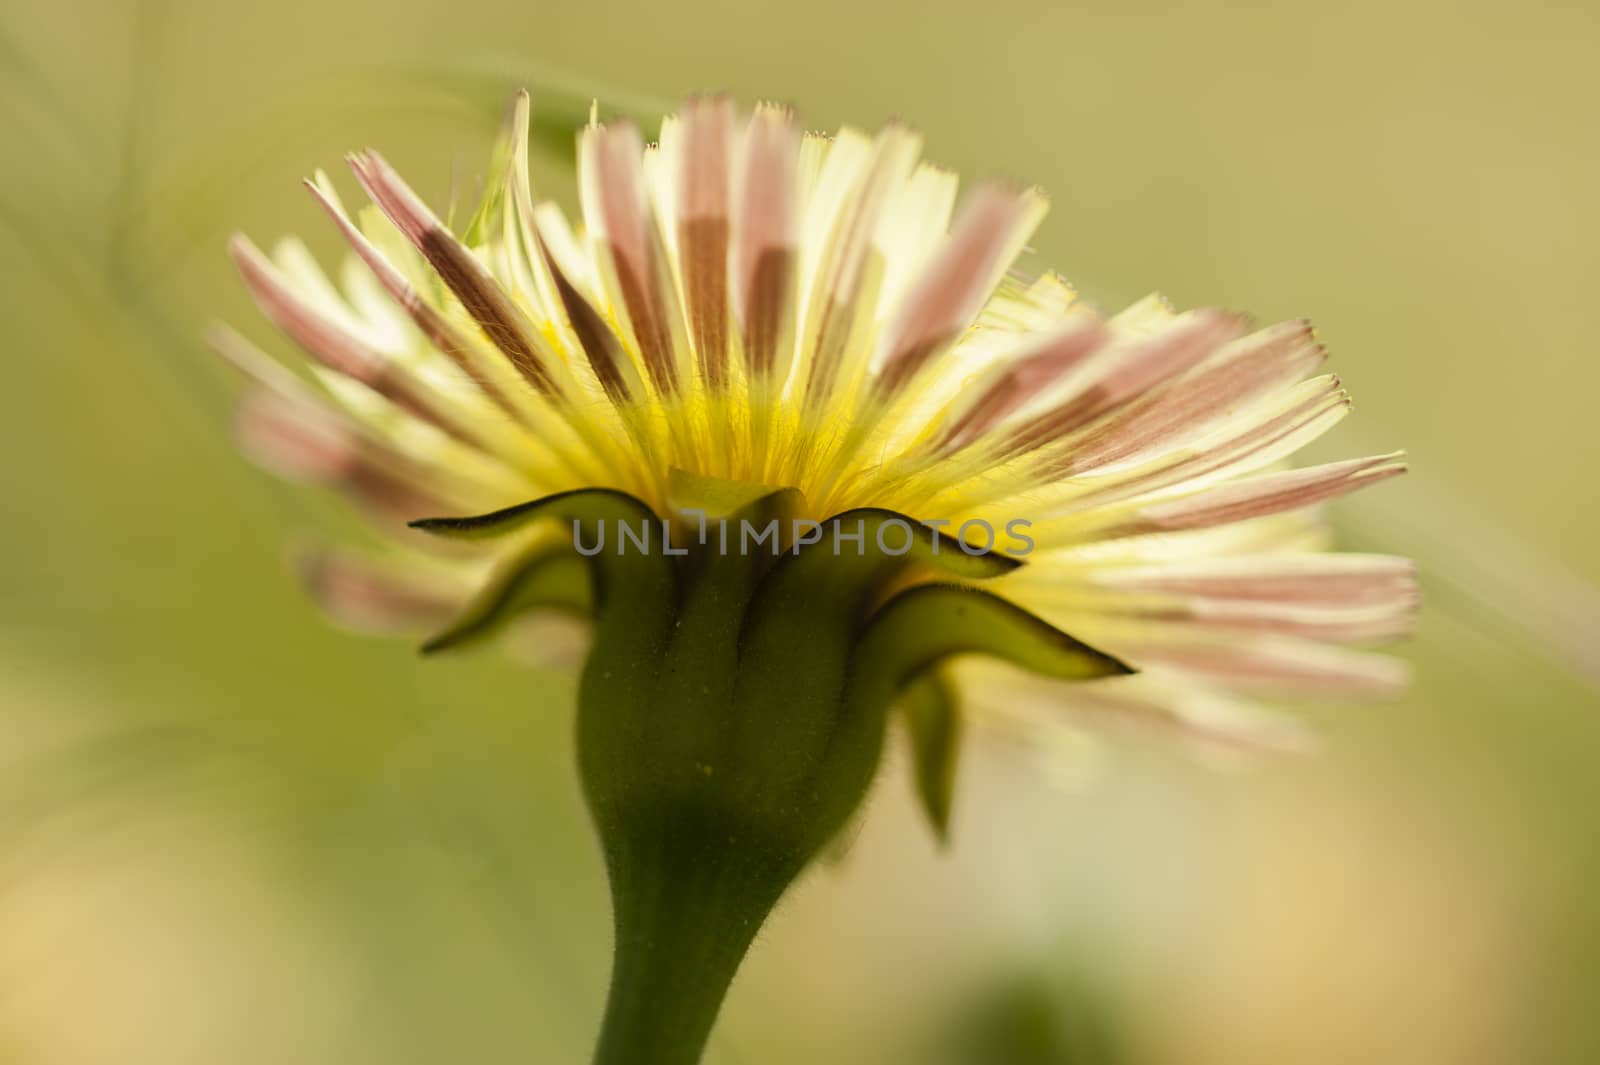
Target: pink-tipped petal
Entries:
(296, 443)
(1020, 381)
(601, 346)
(428, 319)
(306, 325)
(619, 217)
(495, 312)
(766, 242)
(1284, 665)
(367, 597)
(1239, 374)
(301, 442)
(837, 304)
(704, 229)
(1305, 578)
(338, 349)
(994, 224)
(1272, 493)
(1119, 375)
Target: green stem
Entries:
(685, 916)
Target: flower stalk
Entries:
(708, 803)
(732, 711)
(689, 900)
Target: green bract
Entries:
(733, 707)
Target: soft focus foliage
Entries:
(231, 834)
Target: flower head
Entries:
(804, 338)
(741, 302)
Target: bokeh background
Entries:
(229, 832)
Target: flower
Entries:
(802, 335)
(746, 301)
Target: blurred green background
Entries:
(231, 833)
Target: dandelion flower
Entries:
(807, 334)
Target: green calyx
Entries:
(732, 710)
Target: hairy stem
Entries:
(687, 906)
